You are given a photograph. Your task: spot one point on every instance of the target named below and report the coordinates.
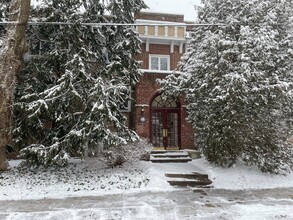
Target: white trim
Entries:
(161, 41)
(172, 47)
(181, 47)
(179, 39)
(141, 105)
(159, 61)
(147, 45)
(166, 31)
(146, 30)
(128, 109)
(160, 71)
(162, 23)
(176, 32)
(156, 30)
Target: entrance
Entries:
(165, 129)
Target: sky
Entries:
(185, 7)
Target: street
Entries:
(178, 204)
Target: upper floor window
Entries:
(159, 62)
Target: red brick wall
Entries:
(187, 134)
(147, 87)
(145, 91)
(159, 49)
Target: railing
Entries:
(163, 31)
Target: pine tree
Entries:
(237, 77)
(80, 81)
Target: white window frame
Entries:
(128, 107)
(159, 56)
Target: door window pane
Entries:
(161, 102)
(157, 129)
(172, 127)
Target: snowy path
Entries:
(177, 204)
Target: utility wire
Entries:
(107, 24)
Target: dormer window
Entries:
(159, 62)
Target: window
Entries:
(159, 62)
(126, 106)
(161, 102)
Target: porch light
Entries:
(142, 118)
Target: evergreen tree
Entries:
(69, 99)
(237, 77)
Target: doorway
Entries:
(165, 118)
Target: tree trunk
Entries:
(10, 65)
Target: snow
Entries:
(242, 177)
(237, 212)
(259, 211)
(90, 178)
(138, 190)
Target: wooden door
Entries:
(165, 128)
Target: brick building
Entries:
(161, 121)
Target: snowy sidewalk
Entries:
(177, 204)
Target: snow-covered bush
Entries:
(237, 77)
(113, 158)
(39, 155)
(129, 153)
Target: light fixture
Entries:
(142, 118)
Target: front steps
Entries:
(169, 156)
(193, 179)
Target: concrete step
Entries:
(165, 151)
(193, 175)
(188, 182)
(170, 159)
(171, 154)
(192, 179)
(193, 154)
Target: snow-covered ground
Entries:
(139, 190)
(242, 177)
(90, 178)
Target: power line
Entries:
(107, 24)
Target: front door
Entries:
(165, 128)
